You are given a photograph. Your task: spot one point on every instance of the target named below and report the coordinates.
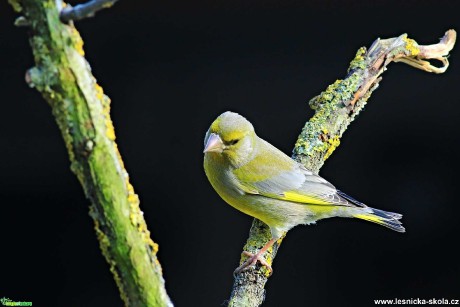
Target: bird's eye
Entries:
(233, 142)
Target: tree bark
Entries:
(81, 109)
(335, 109)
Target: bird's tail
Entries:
(384, 218)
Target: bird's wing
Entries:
(273, 174)
(297, 185)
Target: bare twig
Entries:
(85, 10)
(336, 108)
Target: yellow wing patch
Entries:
(370, 218)
(305, 199)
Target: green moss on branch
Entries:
(82, 112)
(335, 109)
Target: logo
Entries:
(7, 302)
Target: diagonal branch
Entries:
(335, 109)
(82, 112)
(85, 10)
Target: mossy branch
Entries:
(81, 109)
(335, 109)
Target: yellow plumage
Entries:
(258, 179)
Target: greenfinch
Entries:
(258, 179)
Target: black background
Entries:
(170, 68)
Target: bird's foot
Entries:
(252, 260)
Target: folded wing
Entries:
(301, 186)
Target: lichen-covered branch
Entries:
(335, 109)
(85, 10)
(81, 109)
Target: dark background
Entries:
(170, 68)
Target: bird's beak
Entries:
(214, 144)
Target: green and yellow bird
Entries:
(258, 179)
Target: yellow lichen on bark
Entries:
(411, 46)
(82, 112)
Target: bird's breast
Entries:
(224, 183)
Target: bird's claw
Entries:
(252, 260)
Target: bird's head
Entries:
(231, 136)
